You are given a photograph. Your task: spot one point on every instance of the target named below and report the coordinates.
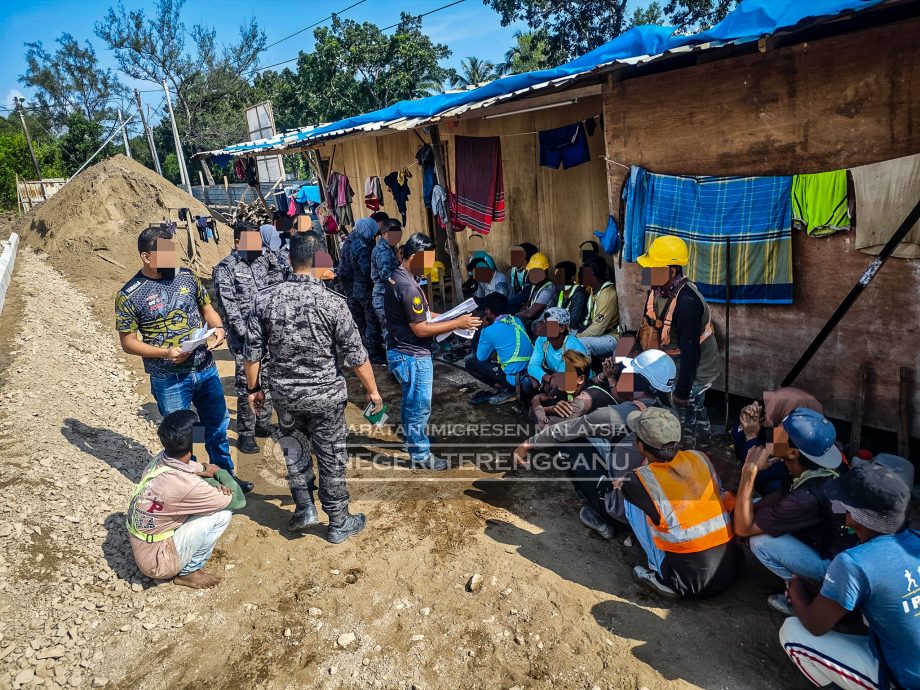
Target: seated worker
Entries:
(676, 509)
(504, 336)
(572, 296)
(794, 533)
(600, 332)
(517, 274)
(542, 292)
(554, 340)
(486, 279)
(598, 447)
(769, 414)
(180, 508)
(570, 388)
(880, 578)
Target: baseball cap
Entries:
(494, 301)
(558, 314)
(813, 435)
(655, 426)
(873, 495)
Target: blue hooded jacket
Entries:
(362, 248)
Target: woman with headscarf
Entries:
(759, 417)
(271, 238)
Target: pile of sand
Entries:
(90, 227)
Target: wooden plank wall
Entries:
(554, 209)
(829, 104)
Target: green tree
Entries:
(211, 83)
(15, 159)
(80, 141)
(531, 51)
(71, 80)
(473, 72)
(651, 14)
(574, 27)
(354, 68)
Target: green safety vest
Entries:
(563, 295)
(518, 330)
(591, 304)
(536, 291)
(145, 480)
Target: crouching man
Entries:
(180, 508)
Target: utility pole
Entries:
(38, 171)
(183, 172)
(124, 135)
(149, 133)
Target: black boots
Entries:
(247, 444)
(349, 527)
(304, 510)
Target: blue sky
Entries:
(469, 28)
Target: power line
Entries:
(425, 14)
(392, 26)
(281, 40)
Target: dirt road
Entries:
(388, 609)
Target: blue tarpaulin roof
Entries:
(751, 20)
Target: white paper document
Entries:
(198, 337)
(463, 308)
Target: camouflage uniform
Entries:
(346, 278)
(237, 282)
(383, 263)
(362, 248)
(301, 325)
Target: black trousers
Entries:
(322, 434)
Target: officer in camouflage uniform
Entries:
(302, 326)
(237, 279)
(362, 248)
(346, 278)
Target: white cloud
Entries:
(12, 93)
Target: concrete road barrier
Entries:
(7, 259)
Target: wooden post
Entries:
(441, 174)
(204, 188)
(862, 384)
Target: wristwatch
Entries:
(257, 388)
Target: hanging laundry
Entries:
(428, 182)
(567, 145)
(184, 214)
(425, 156)
(212, 229)
(884, 194)
(403, 175)
(439, 204)
(292, 207)
(590, 126)
(281, 201)
(252, 172)
(399, 189)
(480, 183)
(755, 213)
(635, 191)
(373, 193)
(456, 223)
(308, 193)
(239, 169)
(820, 203)
(341, 194)
(201, 222)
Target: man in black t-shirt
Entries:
(795, 533)
(409, 337)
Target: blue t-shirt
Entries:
(501, 338)
(882, 578)
(547, 359)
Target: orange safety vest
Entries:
(693, 513)
(664, 325)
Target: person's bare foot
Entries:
(197, 580)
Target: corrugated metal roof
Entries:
(750, 21)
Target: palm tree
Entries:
(531, 51)
(474, 71)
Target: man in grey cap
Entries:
(553, 340)
(880, 578)
(676, 508)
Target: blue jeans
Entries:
(786, 556)
(640, 527)
(196, 538)
(599, 345)
(414, 375)
(203, 390)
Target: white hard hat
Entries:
(653, 365)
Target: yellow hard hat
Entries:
(538, 260)
(665, 251)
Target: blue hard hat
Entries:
(814, 436)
